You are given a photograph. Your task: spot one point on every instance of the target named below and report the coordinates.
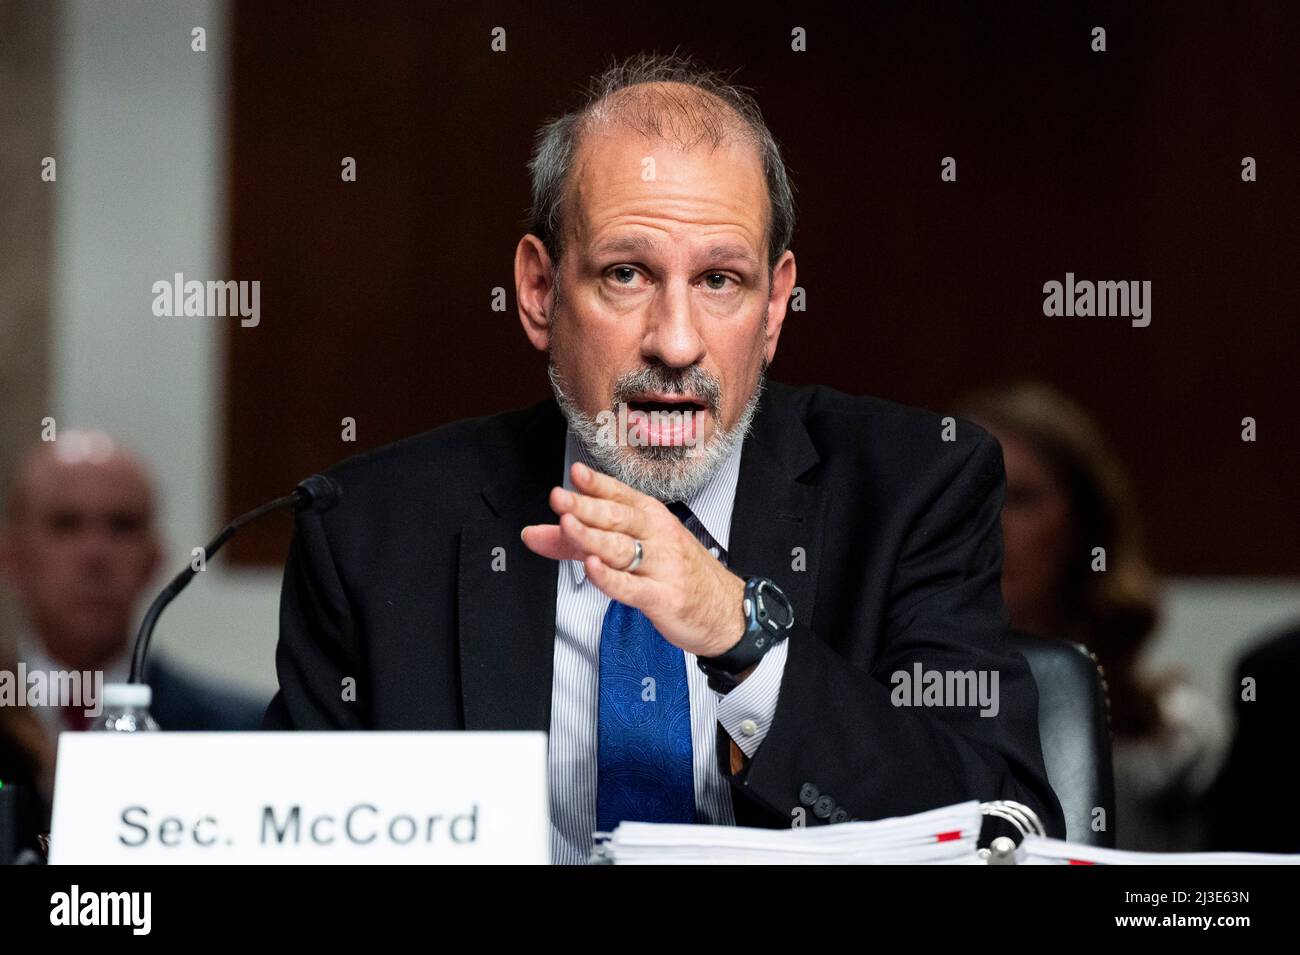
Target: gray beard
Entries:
(666, 473)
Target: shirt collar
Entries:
(712, 504)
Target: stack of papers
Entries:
(944, 836)
(1036, 850)
(939, 837)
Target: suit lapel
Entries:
(506, 593)
(776, 532)
(779, 514)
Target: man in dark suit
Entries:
(1252, 806)
(79, 546)
(726, 602)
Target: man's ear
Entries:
(783, 276)
(534, 290)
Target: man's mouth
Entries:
(665, 403)
(665, 419)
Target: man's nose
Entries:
(672, 337)
(95, 549)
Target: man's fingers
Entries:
(547, 540)
(573, 540)
(599, 512)
(615, 549)
(603, 486)
(619, 585)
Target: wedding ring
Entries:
(636, 558)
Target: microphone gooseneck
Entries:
(318, 493)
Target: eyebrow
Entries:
(632, 243)
(638, 244)
(732, 252)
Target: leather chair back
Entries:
(1074, 726)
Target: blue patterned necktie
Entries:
(645, 770)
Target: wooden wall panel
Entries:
(1116, 165)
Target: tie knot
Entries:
(681, 511)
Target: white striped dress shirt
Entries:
(745, 713)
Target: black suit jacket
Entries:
(886, 538)
(1252, 807)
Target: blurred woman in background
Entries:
(1067, 495)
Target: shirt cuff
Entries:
(746, 712)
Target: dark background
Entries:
(1123, 165)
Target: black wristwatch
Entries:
(768, 620)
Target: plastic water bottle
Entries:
(126, 709)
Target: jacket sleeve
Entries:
(837, 731)
(318, 659)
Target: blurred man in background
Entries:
(79, 547)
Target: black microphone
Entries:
(317, 493)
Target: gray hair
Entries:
(713, 111)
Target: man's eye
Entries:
(63, 522)
(623, 274)
(125, 524)
(717, 281)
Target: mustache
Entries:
(693, 381)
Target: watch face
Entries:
(774, 610)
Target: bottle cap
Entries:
(133, 695)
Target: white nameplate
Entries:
(347, 797)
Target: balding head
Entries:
(672, 112)
(79, 544)
(667, 100)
